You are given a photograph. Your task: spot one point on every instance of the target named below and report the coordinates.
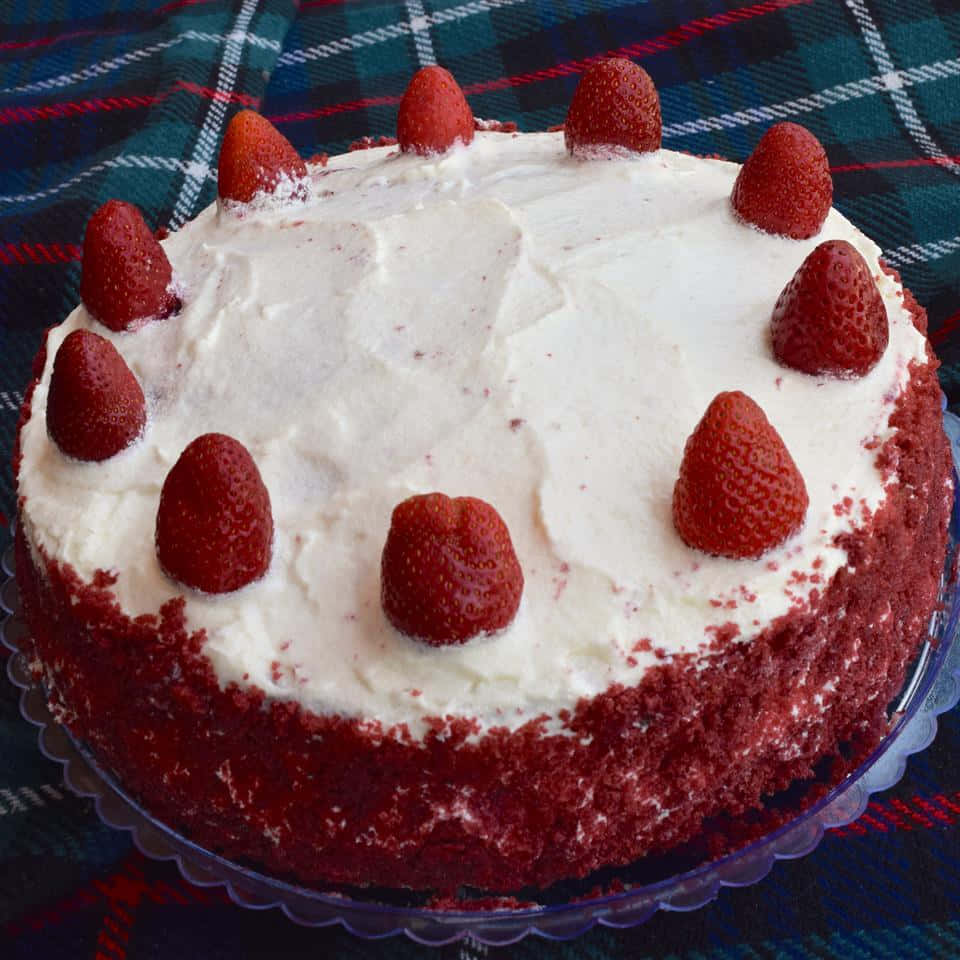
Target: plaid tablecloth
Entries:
(106, 99)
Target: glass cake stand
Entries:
(569, 910)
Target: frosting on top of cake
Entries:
(504, 322)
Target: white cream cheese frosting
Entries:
(503, 322)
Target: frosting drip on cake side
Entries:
(502, 322)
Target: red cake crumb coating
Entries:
(331, 800)
(369, 143)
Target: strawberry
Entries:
(615, 105)
(95, 406)
(214, 523)
(739, 493)
(434, 113)
(254, 156)
(125, 274)
(785, 186)
(448, 571)
(830, 317)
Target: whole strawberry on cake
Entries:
(481, 508)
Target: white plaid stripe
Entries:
(421, 33)
(472, 949)
(921, 252)
(209, 138)
(901, 100)
(369, 38)
(115, 63)
(841, 93)
(124, 160)
(24, 798)
(10, 400)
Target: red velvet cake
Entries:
(484, 509)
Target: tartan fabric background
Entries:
(101, 99)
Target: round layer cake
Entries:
(508, 322)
